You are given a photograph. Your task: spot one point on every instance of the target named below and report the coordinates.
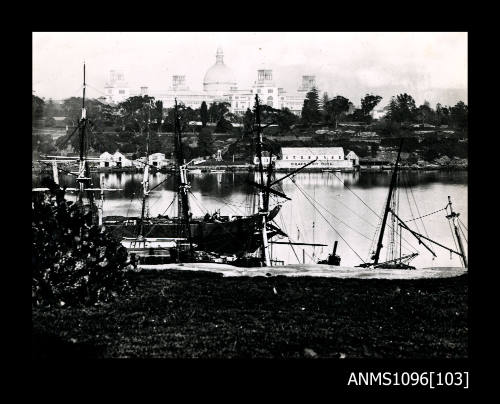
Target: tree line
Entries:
(124, 126)
(401, 111)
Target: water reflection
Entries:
(340, 215)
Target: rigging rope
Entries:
(418, 211)
(428, 214)
(341, 221)
(463, 234)
(330, 225)
(173, 200)
(364, 203)
(286, 231)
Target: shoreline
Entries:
(229, 169)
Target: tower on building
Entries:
(265, 75)
(179, 83)
(308, 82)
(116, 89)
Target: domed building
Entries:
(219, 79)
(219, 85)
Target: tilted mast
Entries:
(453, 217)
(387, 206)
(145, 181)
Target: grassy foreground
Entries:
(181, 314)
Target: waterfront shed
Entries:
(353, 157)
(120, 160)
(327, 158)
(106, 160)
(157, 160)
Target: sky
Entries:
(429, 66)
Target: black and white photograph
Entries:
(251, 195)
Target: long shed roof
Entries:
(313, 151)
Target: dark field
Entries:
(180, 314)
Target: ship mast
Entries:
(387, 206)
(263, 196)
(453, 216)
(83, 178)
(183, 183)
(145, 181)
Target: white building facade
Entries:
(265, 159)
(158, 160)
(116, 160)
(116, 89)
(327, 158)
(219, 85)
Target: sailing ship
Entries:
(85, 199)
(188, 237)
(396, 259)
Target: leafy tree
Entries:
(310, 110)
(51, 109)
(217, 111)
(442, 116)
(205, 142)
(72, 109)
(72, 263)
(248, 124)
(102, 142)
(459, 115)
(324, 100)
(286, 119)
(223, 126)
(183, 113)
(335, 108)
(368, 102)
(191, 114)
(42, 143)
(136, 112)
(158, 114)
(425, 114)
(402, 108)
(37, 107)
(204, 114)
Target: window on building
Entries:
(269, 91)
(121, 92)
(258, 91)
(301, 157)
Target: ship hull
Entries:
(232, 237)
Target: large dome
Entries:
(219, 78)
